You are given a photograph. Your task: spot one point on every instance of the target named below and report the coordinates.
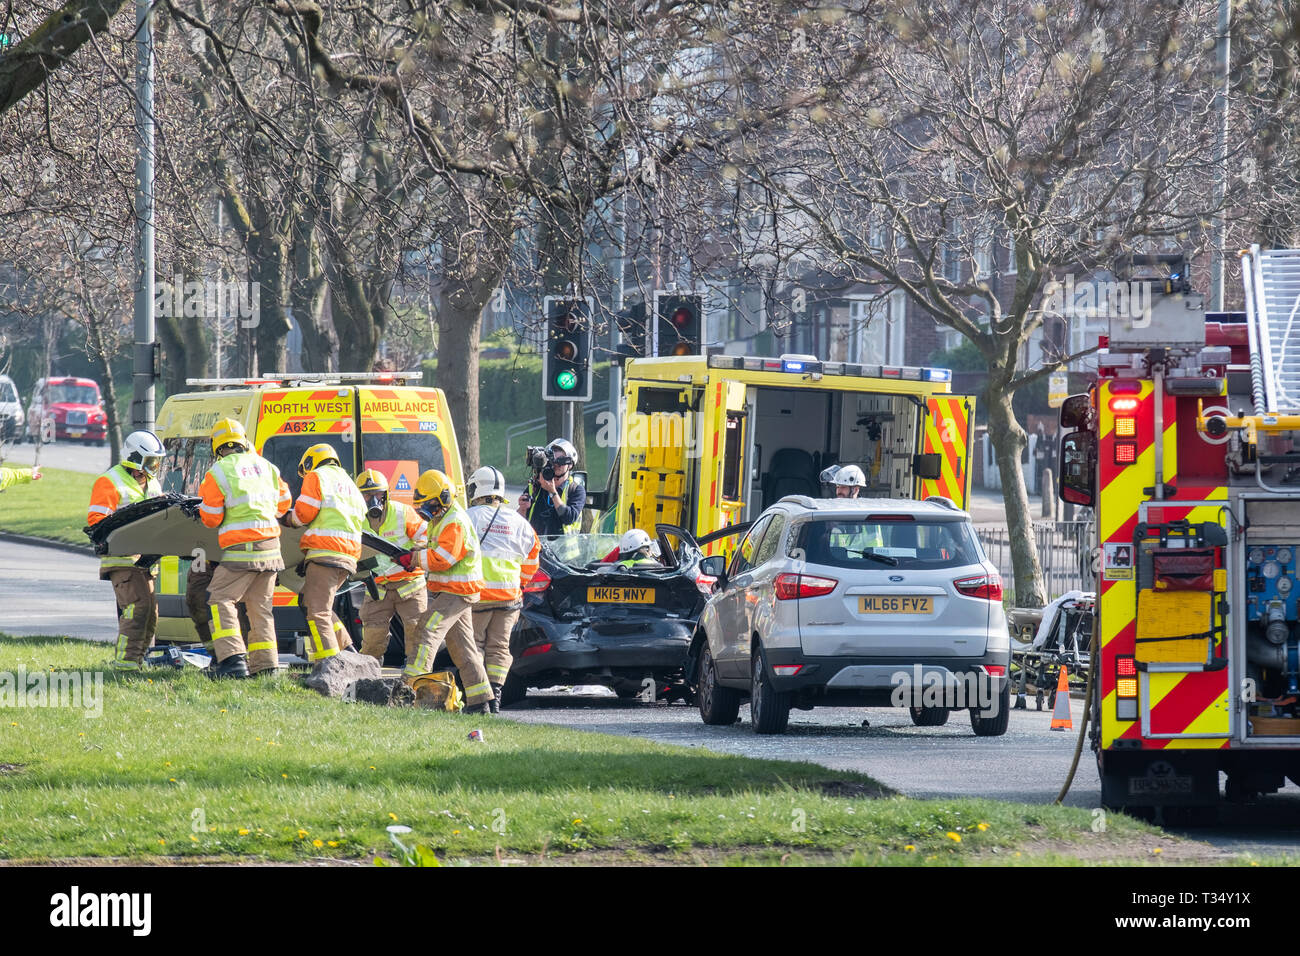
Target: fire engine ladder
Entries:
(1271, 279)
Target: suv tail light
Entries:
(540, 582)
(705, 583)
(792, 586)
(986, 586)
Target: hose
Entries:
(1087, 701)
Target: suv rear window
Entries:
(876, 543)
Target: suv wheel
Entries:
(996, 725)
(719, 706)
(929, 716)
(769, 709)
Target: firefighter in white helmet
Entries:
(553, 501)
(636, 549)
(134, 478)
(849, 481)
(510, 549)
(402, 591)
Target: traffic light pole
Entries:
(142, 404)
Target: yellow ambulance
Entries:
(707, 442)
(373, 420)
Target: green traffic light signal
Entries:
(567, 380)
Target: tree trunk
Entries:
(104, 368)
(269, 325)
(459, 319)
(307, 294)
(1008, 442)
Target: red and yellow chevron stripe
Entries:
(947, 433)
(1180, 703)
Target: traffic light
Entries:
(679, 326)
(566, 359)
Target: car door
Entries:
(732, 606)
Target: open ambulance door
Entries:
(947, 434)
(653, 486)
(722, 480)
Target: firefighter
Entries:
(510, 548)
(827, 478)
(455, 574)
(242, 496)
(18, 476)
(636, 550)
(402, 591)
(133, 479)
(332, 510)
(553, 502)
(848, 481)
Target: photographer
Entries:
(553, 501)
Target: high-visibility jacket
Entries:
(111, 490)
(14, 476)
(452, 556)
(638, 563)
(334, 512)
(566, 488)
(402, 526)
(510, 548)
(242, 496)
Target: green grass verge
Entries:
(54, 507)
(177, 766)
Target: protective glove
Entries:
(406, 560)
(301, 569)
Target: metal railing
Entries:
(1064, 553)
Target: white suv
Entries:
(864, 602)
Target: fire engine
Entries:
(1186, 447)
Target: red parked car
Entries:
(75, 406)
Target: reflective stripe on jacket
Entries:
(113, 489)
(334, 512)
(510, 548)
(242, 496)
(406, 529)
(452, 555)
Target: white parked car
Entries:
(855, 602)
(11, 410)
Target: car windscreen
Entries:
(578, 550)
(879, 542)
(71, 394)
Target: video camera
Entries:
(539, 460)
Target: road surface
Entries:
(66, 455)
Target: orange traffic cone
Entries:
(1061, 712)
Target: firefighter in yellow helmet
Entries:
(401, 590)
(242, 496)
(332, 510)
(455, 575)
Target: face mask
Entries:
(375, 506)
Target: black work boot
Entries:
(495, 702)
(236, 665)
(483, 709)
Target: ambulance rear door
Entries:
(404, 432)
(946, 432)
(721, 450)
